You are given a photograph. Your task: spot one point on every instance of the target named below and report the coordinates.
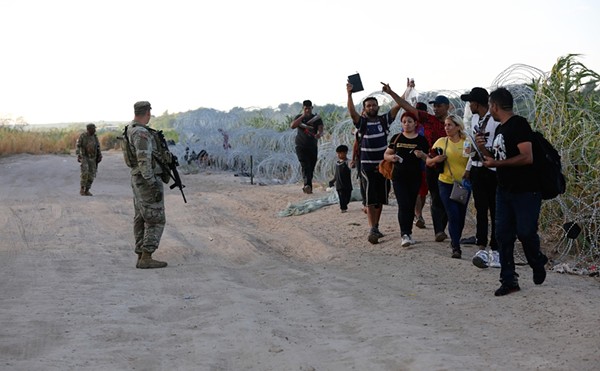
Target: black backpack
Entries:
(546, 162)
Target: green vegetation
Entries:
(21, 138)
(564, 105)
(568, 113)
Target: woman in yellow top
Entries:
(455, 162)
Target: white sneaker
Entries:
(481, 259)
(407, 240)
(494, 259)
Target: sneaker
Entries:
(468, 241)
(507, 289)
(481, 259)
(494, 259)
(378, 234)
(420, 222)
(407, 240)
(307, 189)
(456, 254)
(344, 210)
(440, 236)
(539, 272)
(373, 238)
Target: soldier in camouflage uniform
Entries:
(148, 202)
(88, 154)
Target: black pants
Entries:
(307, 156)
(438, 212)
(406, 191)
(344, 195)
(484, 182)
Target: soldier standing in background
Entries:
(140, 149)
(88, 155)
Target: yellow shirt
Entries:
(455, 159)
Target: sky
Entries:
(79, 61)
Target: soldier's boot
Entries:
(87, 191)
(146, 262)
(139, 256)
(82, 191)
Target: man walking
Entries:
(88, 155)
(518, 200)
(483, 180)
(148, 195)
(310, 129)
(373, 129)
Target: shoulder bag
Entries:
(386, 168)
(459, 192)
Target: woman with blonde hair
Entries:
(452, 154)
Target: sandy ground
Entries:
(247, 290)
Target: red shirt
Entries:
(434, 128)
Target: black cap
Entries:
(477, 95)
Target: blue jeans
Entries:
(438, 212)
(456, 212)
(517, 216)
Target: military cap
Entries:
(90, 126)
(141, 106)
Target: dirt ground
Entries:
(248, 290)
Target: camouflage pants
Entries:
(88, 171)
(149, 219)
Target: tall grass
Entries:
(52, 141)
(564, 105)
(568, 112)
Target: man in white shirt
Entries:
(483, 180)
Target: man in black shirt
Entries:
(518, 200)
(310, 129)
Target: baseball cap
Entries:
(440, 99)
(141, 106)
(478, 95)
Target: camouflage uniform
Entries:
(88, 151)
(148, 193)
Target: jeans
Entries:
(517, 216)
(484, 184)
(456, 211)
(406, 191)
(438, 211)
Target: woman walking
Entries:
(407, 150)
(454, 157)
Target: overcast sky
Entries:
(77, 61)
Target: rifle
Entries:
(171, 169)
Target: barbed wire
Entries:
(274, 160)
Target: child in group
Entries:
(342, 180)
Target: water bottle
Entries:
(467, 150)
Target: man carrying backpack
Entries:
(140, 152)
(518, 197)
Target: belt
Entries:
(476, 164)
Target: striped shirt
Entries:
(374, 140)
